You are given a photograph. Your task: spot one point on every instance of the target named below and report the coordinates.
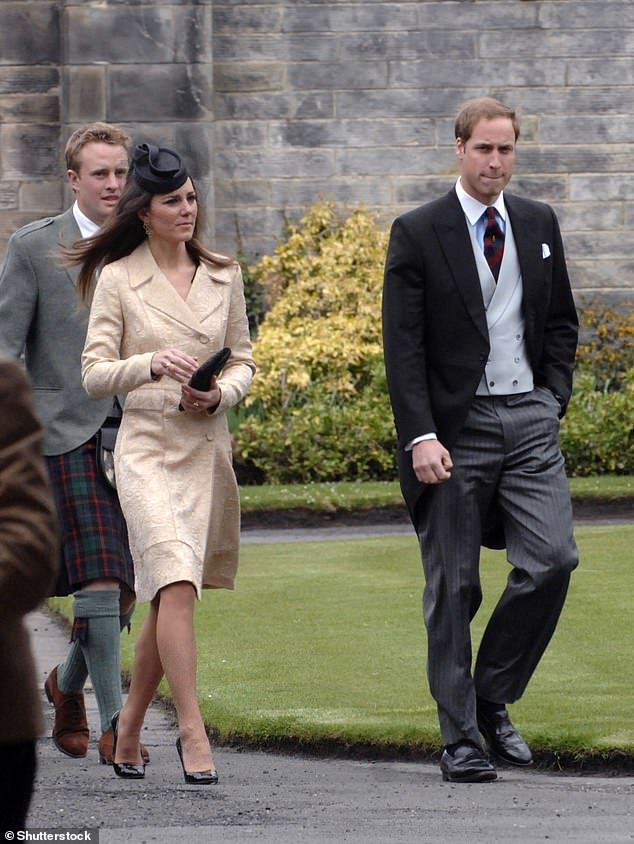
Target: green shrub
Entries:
(597, 432)
(318, 409)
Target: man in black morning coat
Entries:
(480, 333)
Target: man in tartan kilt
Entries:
(41, 319)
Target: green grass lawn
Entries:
(351, 495)
(323, 642)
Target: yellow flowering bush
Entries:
(318, 408)
(606, 344)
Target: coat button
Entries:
(210, 437)
(203, 339)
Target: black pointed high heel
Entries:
(196, 777)
(127, 770)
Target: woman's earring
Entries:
(147, 229)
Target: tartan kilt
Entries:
(94, 536)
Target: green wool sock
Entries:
(73, 672)
(99, 614)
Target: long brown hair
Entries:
(120, 235)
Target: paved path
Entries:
(282, 799)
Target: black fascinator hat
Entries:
(157, 169)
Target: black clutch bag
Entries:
(201, 378)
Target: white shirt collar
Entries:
(86, 225)
(474, 209)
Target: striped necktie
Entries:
(493, 242)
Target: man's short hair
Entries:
(482, 108)
(101, 133)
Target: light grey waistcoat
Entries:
(508, 369)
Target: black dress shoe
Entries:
(126, 770)
(196, 777)
(501, 736)
(464, 762)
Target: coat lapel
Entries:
(529, 252)
(451, 230)
(158, 294)
(65, 232)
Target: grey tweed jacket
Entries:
(41, 317)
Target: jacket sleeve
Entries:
(103, 372)
(404, 336)
(28, 530)
(561, 328)
(18, 297)
(237, 375)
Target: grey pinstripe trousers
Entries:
(507, 458)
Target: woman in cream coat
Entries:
(162, 305)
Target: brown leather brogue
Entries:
(70, 729)
(105, 749)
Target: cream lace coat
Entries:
(174, 471)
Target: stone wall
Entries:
(145, 66)
(283, 103)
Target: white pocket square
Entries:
(545, 250)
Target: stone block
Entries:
(351, 17)
(249, 76)
(30, 33)
(568, 100)
(292, 163)
(387, 161)
(44, 197)
(585, 14)
(85, 92)
(344, 191)
(195, 143)
(400, 103)
(477, 16)
(610, 245)
(338, 75)
(29, 108)
(600, 275)
(25, 79)
(456, 45)
(589, 187)
(410, 193)
(230, 133)
(233, 193)
(352, 133)
(563, 43)
(596, 129)
(275, 47)
(609, 70)
(549, 189)
(149, 34)
(574, 158)
(428, 73)
(247, 18)
(175, 92)
(274, 106)
(9, 195)
(575, 216)
(29, 151)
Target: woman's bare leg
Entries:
(146, 675)
(177, 648)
